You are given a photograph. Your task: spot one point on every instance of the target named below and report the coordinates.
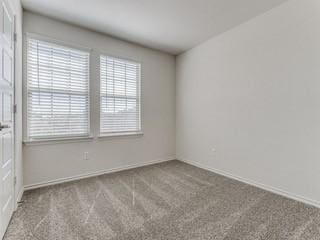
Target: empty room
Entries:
(160, 119)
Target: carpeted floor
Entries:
(171, 200)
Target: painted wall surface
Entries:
(253, 94)
(16, 5)
(49, 162)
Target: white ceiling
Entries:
(172, 26)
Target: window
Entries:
(119, 96)
(57, 91)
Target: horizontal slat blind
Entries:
(58, 91)
(120, 96)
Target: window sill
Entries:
(57, 141)
(124, 134)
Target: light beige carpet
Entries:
(172, 200)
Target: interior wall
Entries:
(16, 4)
(248, 101)
(49, 162)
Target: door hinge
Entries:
(15, 180)
(15, 108)
(15, 37)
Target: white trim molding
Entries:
(94, 174)
(58, 141)
(124, 134)
(19, 197)
(265, 187)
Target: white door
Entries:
(6, 115)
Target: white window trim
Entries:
(58, 141)
(27, 140)
(122, 134)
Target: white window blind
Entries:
(120, 96)
(57, 91)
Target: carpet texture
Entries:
(171, 200)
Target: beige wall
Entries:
(49, 162)
(253, 94)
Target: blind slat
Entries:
(119, 95)
(58, 91)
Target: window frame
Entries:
(47, 139)
(139, 93)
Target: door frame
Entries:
(15, 194)
(7, 5)
(10, 4)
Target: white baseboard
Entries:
(19, 197)
(94, 174)
(20, 194)
(256, 184)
